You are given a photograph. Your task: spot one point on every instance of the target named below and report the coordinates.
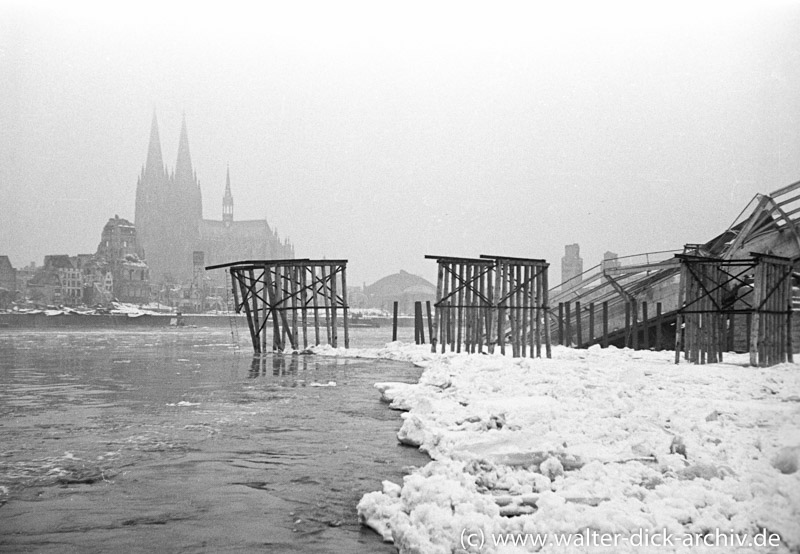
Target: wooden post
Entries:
(756, 337)
(635, 323)
(567, 324)
(460, 308)
(605, 324)
(659, 324)
(292, 274)
(254, 307)
(545, 304)
(538, 312)
(334, 330)
(561, 323)
(468, 307)
(437, 322)
(527, 347)
(394, 322)
(500, 286)
(253, 335)
(315, 301)
(789, 346)
(271, 296)
(591, 323)
(431, 332)
(304, 304)
(345, 308)
(326, 300)
(645, 327)
(627, 324)
(419, 325)
(578, 325)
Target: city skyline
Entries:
(380, 136)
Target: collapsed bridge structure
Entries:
(733, 292)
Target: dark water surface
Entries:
(177, 440)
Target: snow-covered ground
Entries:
(608, 447)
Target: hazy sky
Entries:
(380, 132)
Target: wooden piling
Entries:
(394, 322)
(286, 292)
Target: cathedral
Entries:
(170, 226)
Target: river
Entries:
(179, 440)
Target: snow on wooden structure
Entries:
(491, 300)
(713, 292)
(292, 295)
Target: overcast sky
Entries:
(380, 132)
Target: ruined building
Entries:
(572, 265)
(170, 225)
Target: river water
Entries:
(179, 440)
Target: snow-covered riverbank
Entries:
(599, 440)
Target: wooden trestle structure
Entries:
(713, 291)
(287, 294)
(491, 300)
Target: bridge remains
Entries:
(293, 296)
(715, 293)
(491, 301)
(764, 237)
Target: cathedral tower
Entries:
(168, 210)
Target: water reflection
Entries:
(302, 367)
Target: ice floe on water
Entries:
(591, 446)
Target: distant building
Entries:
(117, 255)
(25, 274)
(58, 282)
(571, 266)
(8, 282)
(401, 287)
(170, 225)
(610, 260)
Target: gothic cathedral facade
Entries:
(170, 226)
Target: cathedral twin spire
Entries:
(184, 173)
(155, 162)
